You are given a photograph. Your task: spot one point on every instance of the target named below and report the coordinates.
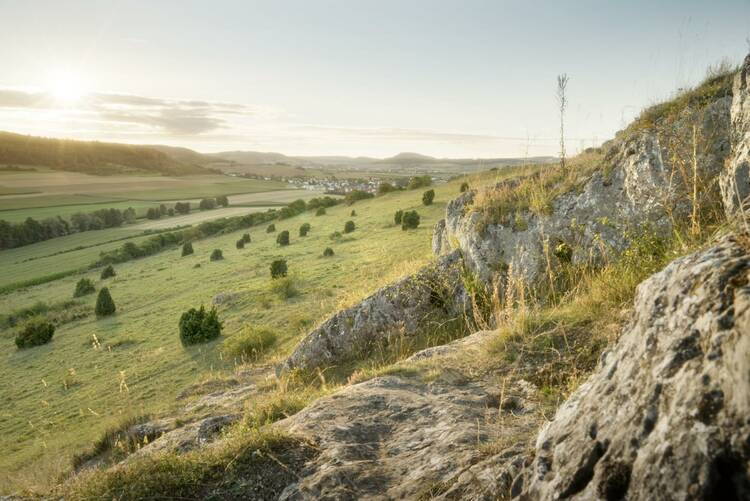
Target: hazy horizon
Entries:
(352, 78)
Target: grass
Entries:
(51, 413)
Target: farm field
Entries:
(44, 193)
(67, 392)
(197, 217)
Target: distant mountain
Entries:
(91, 157)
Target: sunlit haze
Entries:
(442, 78)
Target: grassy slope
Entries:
(45, 421)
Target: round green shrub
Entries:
(217, 255)
(321, 211)
(199, 326)
(349, 227)
(246, 238)
(250, 344)
(304, 229)
(105, 306)
(336, 235)
(428, 196)
(464, 187)
(271, 228)
(108, 272)
(84, 287)
(353, 213)
(240, 244)
(283, 238)
(35, 332)
(328, 252)
(397, 216)
(278, 268)
(410, 220)
(187, 249)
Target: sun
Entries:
(67, 88)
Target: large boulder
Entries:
(735, 181)
(667, 413)
(401, 308)
(643, 182)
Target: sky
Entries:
(468, 78)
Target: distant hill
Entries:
(91, 157)
(185, 155)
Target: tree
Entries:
(328, 252)
(349, 227)
(304, 229)
(105, 306)
(355, 195)
(187, 249)
(129, 215)
(464, 187)
(562, 84)
(410, 220)
(199, 326)
(153, 213)
(271, 228)
(35, 332)
(283, 238)
(207, 204)
(428, 196)
(170, 212)
(278, 268)
(182, 207)
(385, 187)
(108, 272)
(163, 209)
(419, 182)
(217, 255)
(84, 287)
(222, 200)
(398, 216)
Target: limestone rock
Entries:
(400, 308)
(667, 411)
(735, 180)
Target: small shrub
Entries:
(199, 326)
(321, 211)
(353, 213)
(304, 229)
(428, 196)
(240, 244)
(246, 238)
(84, 287)
(170, 212)
(328, 252)
(271, 228)
(356, 195)
(349, 227)
(250, 344)
(410, 220)
(207, 204)
(217, 255)
(187, 249)
(105, 306)
(336, 235)
(464, 187)
(35, 332)
(285, 287)
(397, 216)
(222, 200)
(278, 268)
(385, 187)
(283, 238)
(108, 272)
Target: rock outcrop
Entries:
(403, 307)
(401, 437)
(641, 183)
(735, 180)
(668, 410)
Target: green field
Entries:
(64, 394)
(47, 193)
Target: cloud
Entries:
(169, 116)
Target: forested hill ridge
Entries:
(91, 157)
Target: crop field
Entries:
(45, 193)
(96, 372)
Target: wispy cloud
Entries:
(168, 116)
